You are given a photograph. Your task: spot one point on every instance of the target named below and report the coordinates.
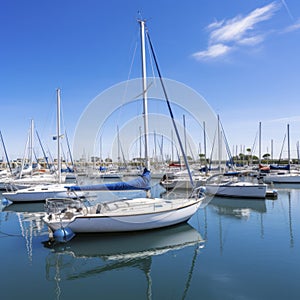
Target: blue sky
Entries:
(241, 56)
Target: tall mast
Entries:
(145, 99)
(119, 148)
(155, 160)
(31, 145)
(272, 151)
(162, 149)
(204, 142)
(100, 149)
(298, 151)
(289, 150)
(58, 136)
(172, 143)
(259, 143)
(184, 128)
(140, 132)
(219, 144)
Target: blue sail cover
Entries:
(279, 167)
(140, 183)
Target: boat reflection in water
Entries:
(92, 255)
(239, 208)
(37, 207)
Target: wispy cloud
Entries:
(216, 50)
(251, 41)
(227, 35)
(284, 120)
(293, 27)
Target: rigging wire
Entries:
(226, 144)
(282, 149)
(170, 110)
(254, 145)
(120, 111)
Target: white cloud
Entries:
(215, 24)
(285, 120)
(213, 51)
(293, 27)
(236, 28)
(251, 41)
(226, 34)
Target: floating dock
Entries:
(271, 194)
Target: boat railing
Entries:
(57, 205)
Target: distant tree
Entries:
(202, 157)
(249, 156)
(266, 156)
(242, 155)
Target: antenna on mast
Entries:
(140, 15)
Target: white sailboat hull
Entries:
(237, 190)
(282, 178)
(40, 193)
(136, 214)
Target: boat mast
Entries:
(100, 149)
(184, 128)
(219, 144)
(31, 145)
(259, 143)
(289, 150)
(58, 136)
(145, 99)
(298, 152)
(272, 151)
(204, 137)
(172, 143)
(140, 132)
(155, 160)
(119, 157)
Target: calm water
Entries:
(232, 249)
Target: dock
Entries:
(271, 194)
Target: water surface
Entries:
(232, 249)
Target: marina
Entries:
(231, 249)
(160, 193)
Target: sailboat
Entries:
(41, 192)
(283, 174)
(134, 214)
(31, 176)
(235, 184)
